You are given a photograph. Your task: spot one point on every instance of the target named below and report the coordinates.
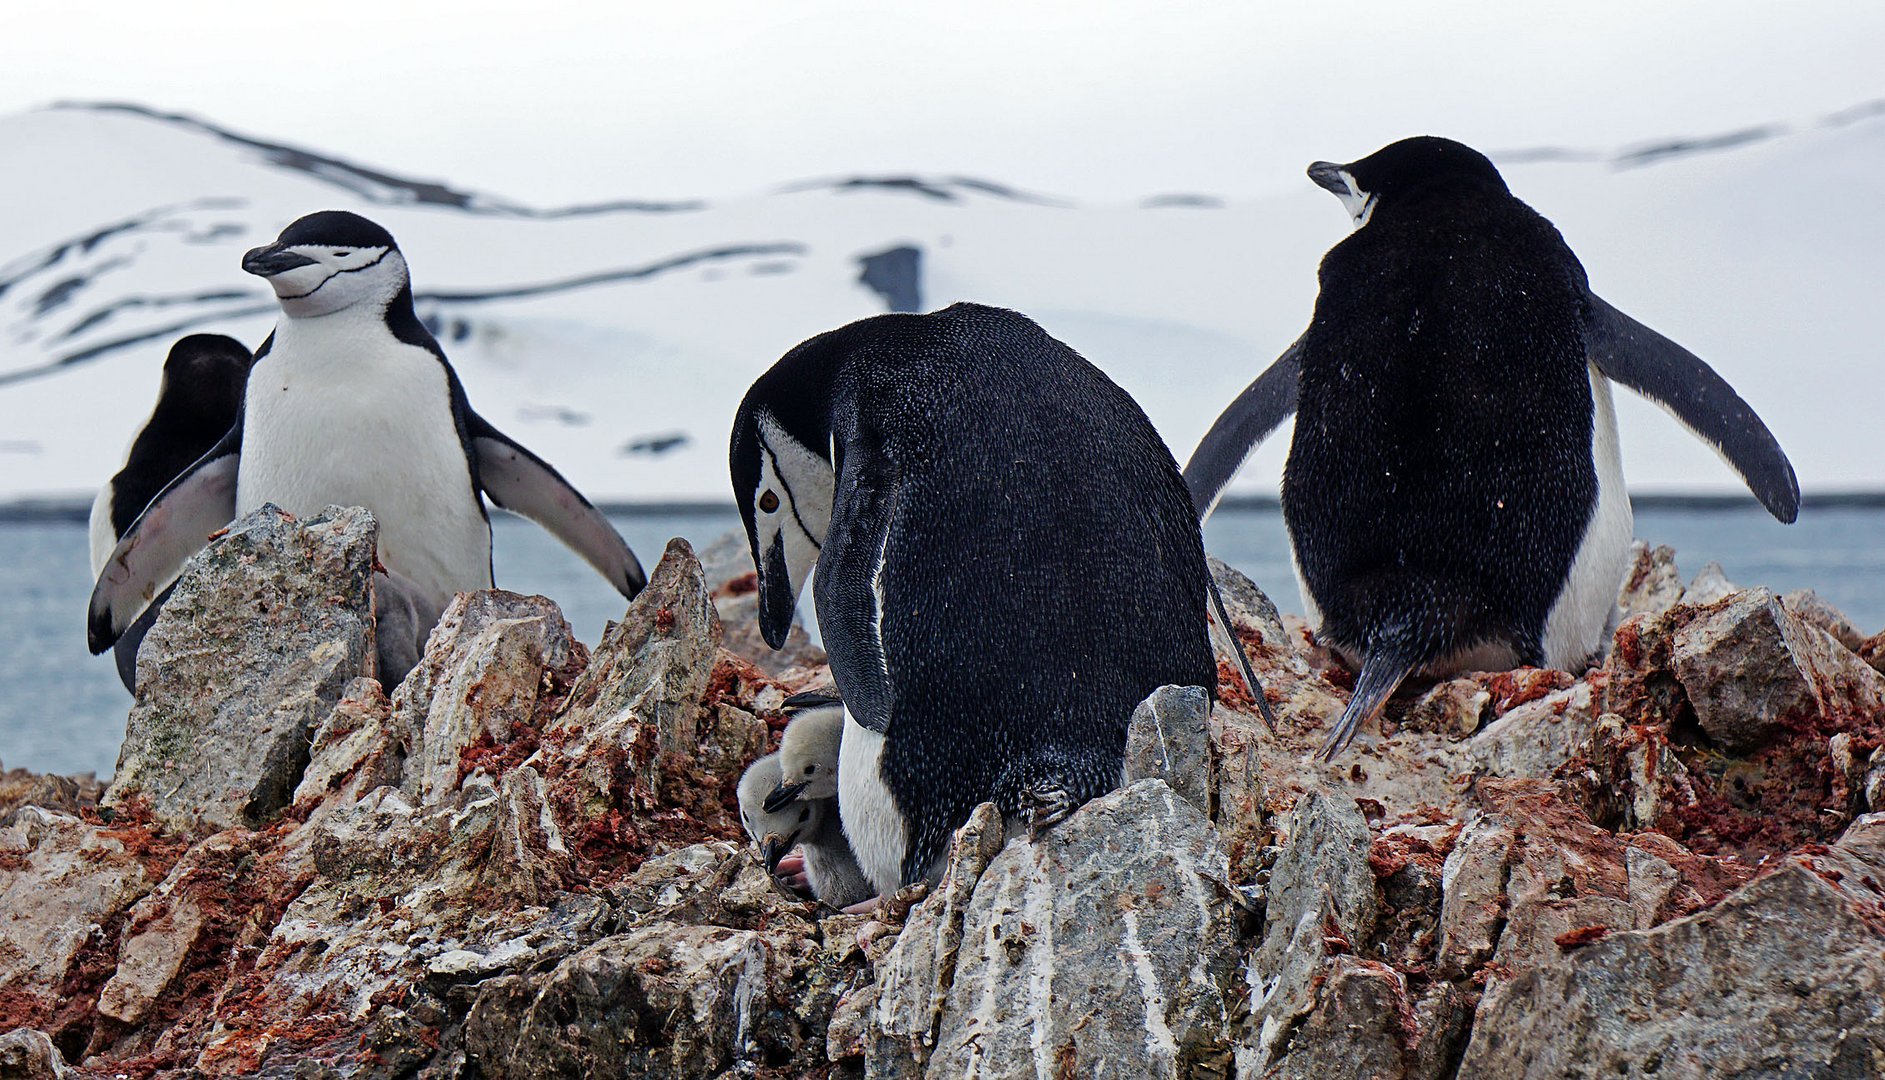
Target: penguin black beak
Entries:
(1328, 176)
(776, 599)
(783, 796)
(771, 850)
(810, 699)
(272, 260)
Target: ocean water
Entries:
(62, 710)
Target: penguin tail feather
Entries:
(1381, 675)
(1243, 657)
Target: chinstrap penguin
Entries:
(1453, 493)
(1007, 564)
(350, 401)
(197, 402)
(828, 870)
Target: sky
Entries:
(557, 103)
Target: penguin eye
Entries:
(338, 254)
(810, 769)
(769, 501)
(803, 814)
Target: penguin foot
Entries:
(1046, 804)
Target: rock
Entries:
(1314, 1002)
(635, 714)
(1120, 916)
(914, 977)
(64, 885)
(1811, 608)
(356, 749)
(1247, 605)
(1709, 586)
(65, 794)
(1652, 586)
(1169, 738)
(1749, 667)
(665, 1000)
(1785, 977)
(167, 924)
(1872, 651)
(260, 637)
(495, 662)
(1453, 708)
(28, 1054)
(1538, 737)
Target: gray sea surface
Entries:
(62, 710)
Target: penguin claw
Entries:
(1048, 804)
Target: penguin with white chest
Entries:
(198, 400)
(1007, 564)
(351, 402)
(1453, 493)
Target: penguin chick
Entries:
(808, 751)
(831, 870)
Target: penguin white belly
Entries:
(102, 538)
(344, 416)
(872, 821)
(1587, 602)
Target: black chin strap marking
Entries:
(337, 273)
(790, 499)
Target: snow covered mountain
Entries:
(616, 339)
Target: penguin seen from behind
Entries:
(1454, 493)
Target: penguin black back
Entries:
(1440, 473)
(1011, 565)
(204, 379)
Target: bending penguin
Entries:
(1007, 563)
(1453, 492)
(198, 400)
(351, 402)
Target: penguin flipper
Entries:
(1247, 421)
(175, 526)
(525, 484)
(1628, 352)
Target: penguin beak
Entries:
(772, 849)
(272, 260)
(1328, 176)
(783, 796)
(777, 599)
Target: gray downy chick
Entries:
(830, 869)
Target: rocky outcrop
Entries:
(526, 860)
(242, 666)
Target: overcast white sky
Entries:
(549, 103)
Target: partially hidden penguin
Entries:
(826, 867)
(198, 399)
(1454, 493)
(351, 402)
(1007, 563)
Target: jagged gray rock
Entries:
(1121, 917)
(28, 1054)
(60, 879)
(482, 677)
(1709, 585)
(260, 637)
(1303, 976)
(1538, 737)
(1785, 977)
(1169, 739)
(1750, 665)
(1653, 585)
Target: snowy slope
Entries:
(585, 331)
